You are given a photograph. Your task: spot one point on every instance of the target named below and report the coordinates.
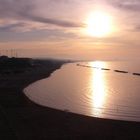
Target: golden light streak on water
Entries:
(97, 86)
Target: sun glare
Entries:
(98, 24)
(98, 88)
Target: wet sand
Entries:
(21, 119)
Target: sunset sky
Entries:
(58, 28)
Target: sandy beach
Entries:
(21, 119)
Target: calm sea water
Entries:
(87, 89)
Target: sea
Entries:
(102, 89)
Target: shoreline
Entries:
(65, 110)
(26, 120)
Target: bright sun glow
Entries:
(99, 24)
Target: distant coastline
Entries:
(15, 75)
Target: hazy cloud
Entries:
(57, 22)
(136, 28)
(133, 5)
(35, 35)
(10, 26)
(14, 8)
(24, 10)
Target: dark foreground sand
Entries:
(21, 119)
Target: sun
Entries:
(98, 24)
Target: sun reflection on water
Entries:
(97, 86)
